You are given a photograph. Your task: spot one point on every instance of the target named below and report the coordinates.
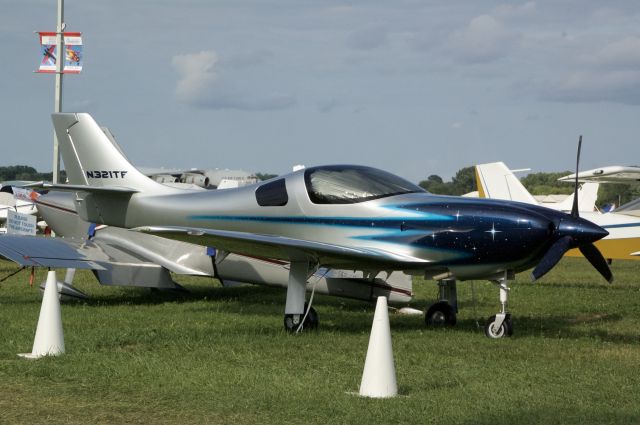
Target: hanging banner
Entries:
(49, 52)
(26, 195)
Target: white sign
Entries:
(20, 224)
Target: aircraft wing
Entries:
(611, 174)
(46, 252)
(283, 248)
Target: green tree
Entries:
(547, 183)
(265, 176)
(463, 182)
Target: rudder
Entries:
(91, 159)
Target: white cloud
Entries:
(612, 73)
(197, 74)
(506, 11)
(620, 54)
(484, 39)
(201, 85)
(622, 86)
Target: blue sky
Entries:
(413, 87)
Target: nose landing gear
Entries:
(501, 324)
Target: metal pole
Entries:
(60, 60)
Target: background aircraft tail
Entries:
(92, 159)
(497, 181)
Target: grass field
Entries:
(220, 355)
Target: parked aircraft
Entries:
(496, 181)
(9, 202)
(126, 258)
(336, 217)
(610, 174)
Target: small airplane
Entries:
(344, 217)
(48, 56)
(122, 257)
(610, 174)
(496, 181)
(10, 202)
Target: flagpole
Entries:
(60, 60)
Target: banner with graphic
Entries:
(49, 52)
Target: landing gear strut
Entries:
(296, 307)
(443, 313)
(501, 325)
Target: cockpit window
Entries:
(348, 184)
(272, 194)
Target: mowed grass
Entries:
(220, 355)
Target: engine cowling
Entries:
(193, 178)
(164, 178)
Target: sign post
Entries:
(61, 54)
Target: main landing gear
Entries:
(443, 313)
(298, 315)
(500, 325)
(292, 321)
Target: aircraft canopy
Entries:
(349, 184)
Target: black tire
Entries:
(311, 322)
(506, 329)
(440, 314)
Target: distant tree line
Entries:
(265, 176)
(464, 181)
(24, 172)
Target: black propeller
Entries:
(596, 259)
(551, 257)
(574, 208)
(576, 234)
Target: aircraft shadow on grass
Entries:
(352, 316)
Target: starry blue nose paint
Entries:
(580, 230)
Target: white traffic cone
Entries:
(49, 340)
(379, 376)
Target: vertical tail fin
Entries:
(90, 158)
(497, 181)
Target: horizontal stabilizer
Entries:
(34, 251)
(81, 188)
(278, 247)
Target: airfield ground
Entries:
(220, 355)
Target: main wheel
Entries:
(506, 328)
(311, 322)
(440, 314)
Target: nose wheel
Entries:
(501, 325)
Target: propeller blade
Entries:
(551, 257)
(574, 209)
(596, 259)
